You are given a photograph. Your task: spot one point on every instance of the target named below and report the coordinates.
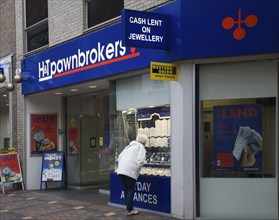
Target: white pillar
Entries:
(182, 145)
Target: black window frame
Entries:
(36, 24)
(96, 15)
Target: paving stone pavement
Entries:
(65, 204)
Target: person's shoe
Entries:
(133, 212)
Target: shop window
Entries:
(238, 119)
(238, 137)
(142, 107)
(36, 24)
(101, 11)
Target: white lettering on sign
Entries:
(143, 197)
(154, 22)
(144, 37)
(53, 157)
(143, 193)
(143, 186)
(146, 29)
(145, 21)
(133, 20)
(146, 198)
(100, 53)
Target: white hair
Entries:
(142, 138)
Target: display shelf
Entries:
(157, 128)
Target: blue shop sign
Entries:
(199, 29)
(145, 29)
(151, 192)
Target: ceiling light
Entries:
(92, 87)
(58, 93)
(74, 90)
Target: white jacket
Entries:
(131, 159)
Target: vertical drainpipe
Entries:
(11, 117)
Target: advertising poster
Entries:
(10, 168)
(52, 166)
(237, 138)
(43, 133)
(73, 141)
(104, 160)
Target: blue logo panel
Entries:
(229, 28)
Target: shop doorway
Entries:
(88, 151)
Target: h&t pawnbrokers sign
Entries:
(145, 29)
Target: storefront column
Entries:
(182, 165)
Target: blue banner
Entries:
(195, 29)
(151, 193)
(237, 131)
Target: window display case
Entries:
(157, 129)
(155, 123)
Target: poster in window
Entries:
(73, 141)
(237, 138)
(43, 133)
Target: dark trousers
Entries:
(129, 191)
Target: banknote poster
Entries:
(237, 138)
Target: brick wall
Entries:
(7, 27)
(65, 20)
(143, 5)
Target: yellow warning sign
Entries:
(163, 71)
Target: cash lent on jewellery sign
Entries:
(163, 71)
(145, 29)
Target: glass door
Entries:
(88, 151)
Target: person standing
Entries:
(130, 161)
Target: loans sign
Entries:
(152, 193)
(145, 29)
(163, 71)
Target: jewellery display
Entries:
(158, 159)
